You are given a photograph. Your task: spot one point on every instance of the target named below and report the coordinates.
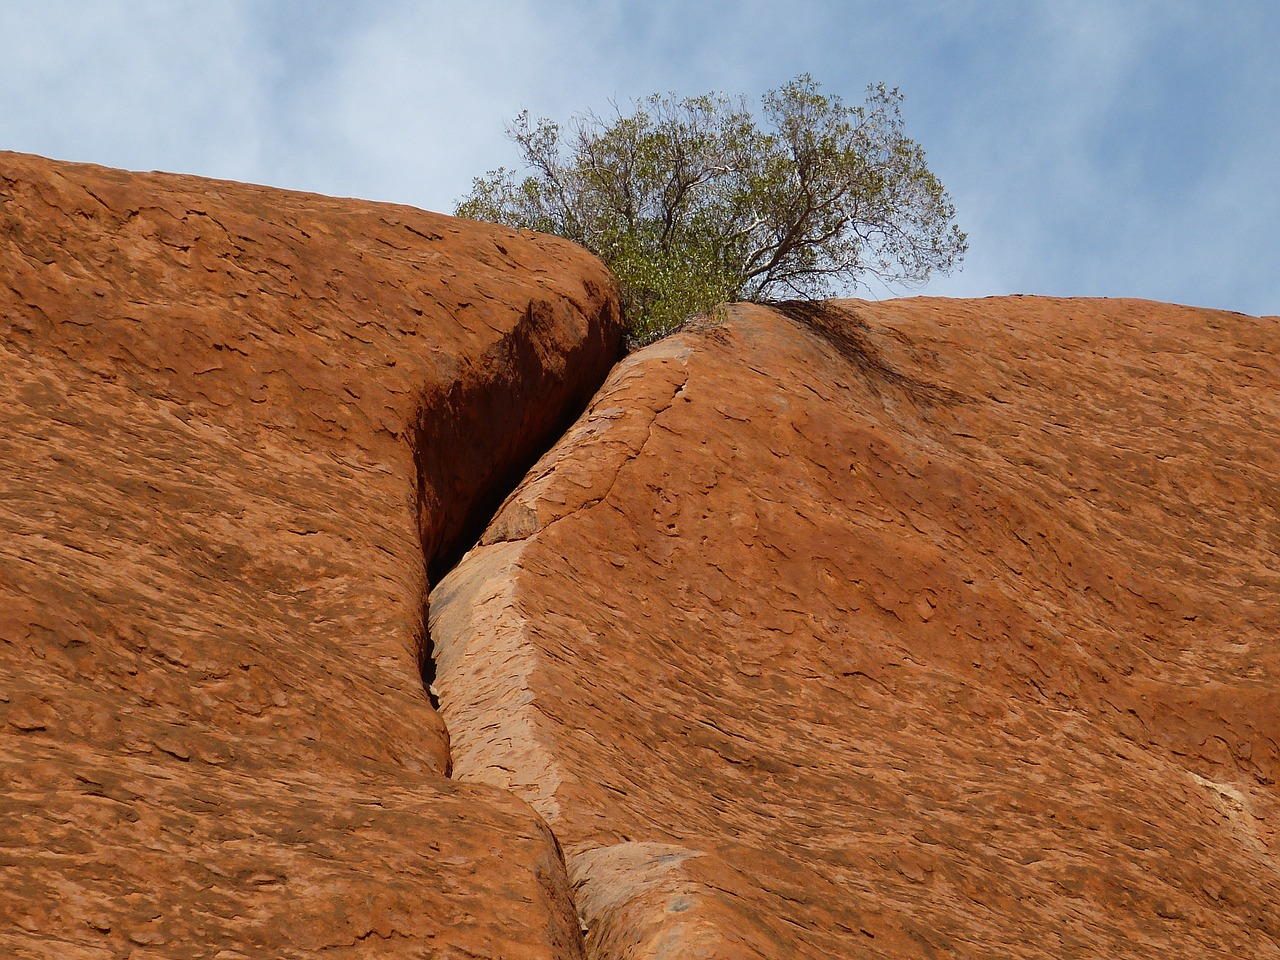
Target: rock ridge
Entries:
(957, 639)
(905, 629)
(239, 424)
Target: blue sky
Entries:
(1092, 147)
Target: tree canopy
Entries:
(691, 203)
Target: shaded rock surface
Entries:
(911, 629)
(236, 426)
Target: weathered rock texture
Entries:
(913, 629)
(235, 426)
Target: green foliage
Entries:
(692, 204)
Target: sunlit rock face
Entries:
(237, 427)
(921, 628)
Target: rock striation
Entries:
(237, 426)
(910, 629)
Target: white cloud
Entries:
(1092, 147)
(130, 84)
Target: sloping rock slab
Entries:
(922, 628)
(236, 425)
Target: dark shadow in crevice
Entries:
(475, 442)
(426, 659)
(449, 553)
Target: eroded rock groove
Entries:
(212, 562)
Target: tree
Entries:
(691, 203)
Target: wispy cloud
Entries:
(1092, 147)
(143, 84)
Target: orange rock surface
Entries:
(911, 629)
(236, 426)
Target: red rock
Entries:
(921, 628)
(235, 422)
(914, 629)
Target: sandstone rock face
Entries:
(236, 426)
(910, 629)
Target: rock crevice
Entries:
(901, 629)
(946, 643)
(220, 488)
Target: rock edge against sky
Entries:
(903, 629)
